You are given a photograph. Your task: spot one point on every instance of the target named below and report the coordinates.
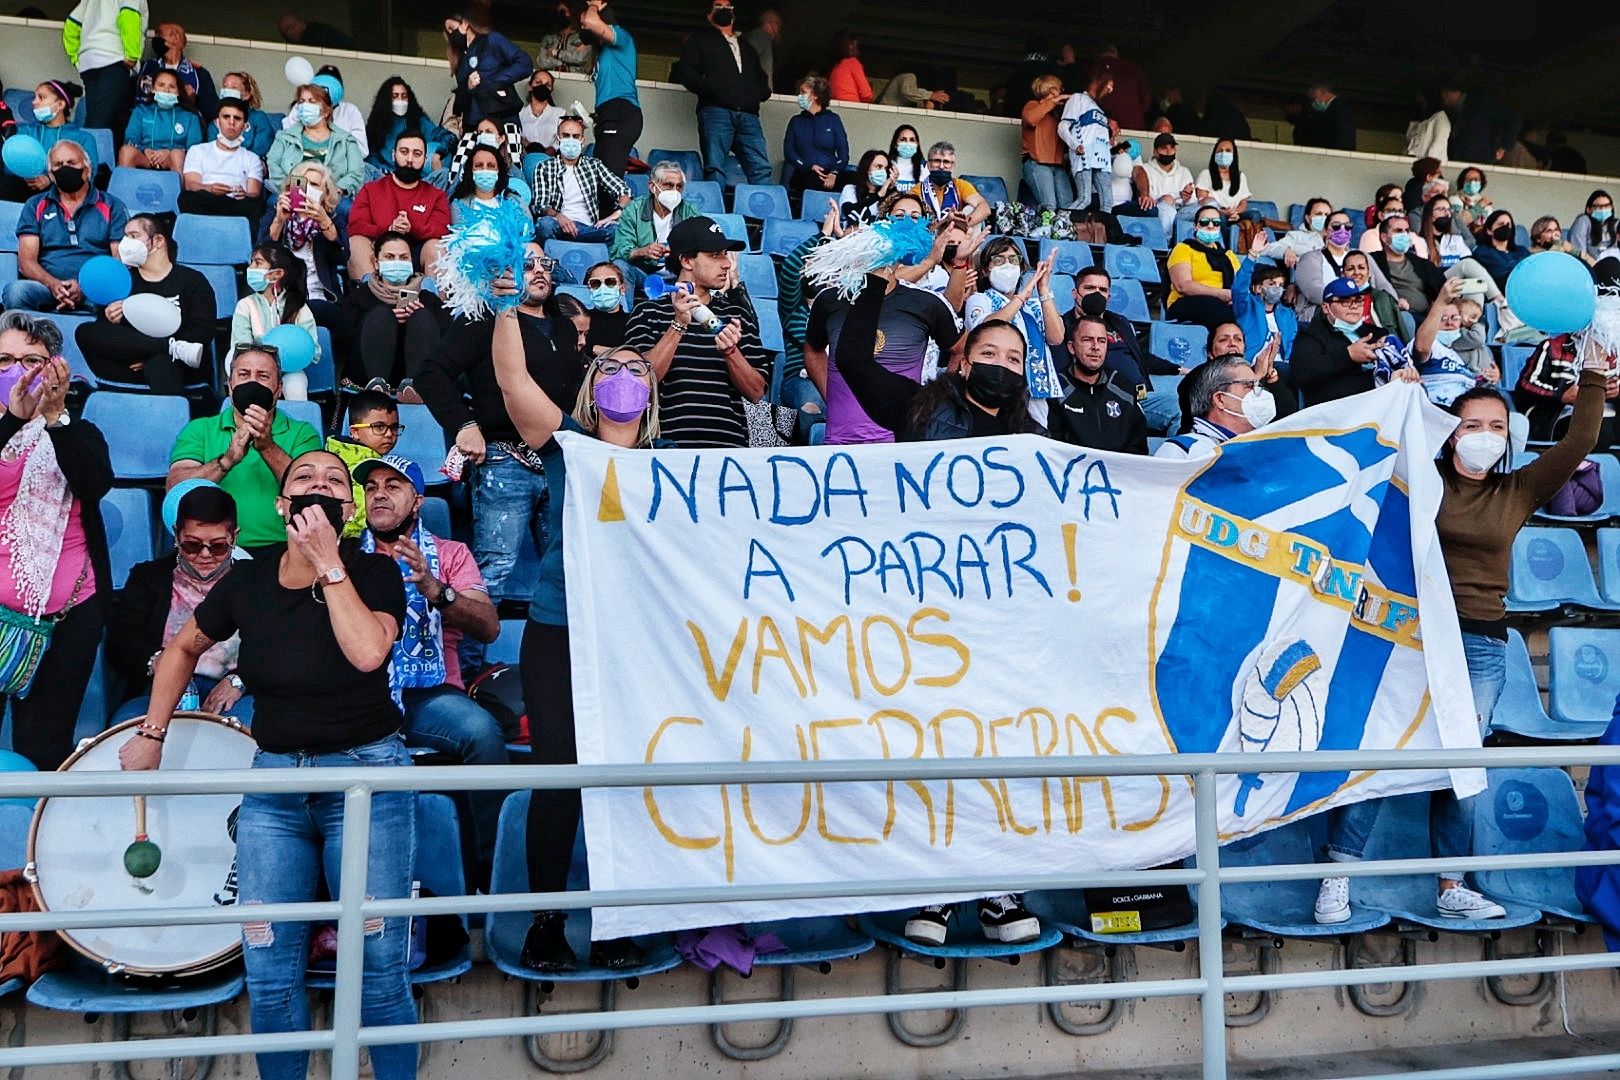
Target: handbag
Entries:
(497, 102)
(1123, 910)
(769, 424)
(24, 639)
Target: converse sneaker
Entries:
(616, 954)
(1460, 902)
(1003, 918)
(927, 925)
(545, 946)
(1333, 901)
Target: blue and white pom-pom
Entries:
(845, 262)
(1604, 330)
(488, 244)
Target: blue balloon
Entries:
(171, 501)
(104, 280)
(295, 346)
(1553, 292)
(11, 761)
(333, 88)
(24, 156)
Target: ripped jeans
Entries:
(283, 843)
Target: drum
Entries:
(76, 852)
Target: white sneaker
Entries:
(1333, 901)
(1004, 919)
(927, 926)
(1459, 902)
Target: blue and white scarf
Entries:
(1038, 365)
(418, 659)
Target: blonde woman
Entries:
(305, 224)
(262, 128)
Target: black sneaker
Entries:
(545, 946)
(927, 925)
(1004, 919)
(616, 954)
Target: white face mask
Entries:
(1258, 407)
(669, 200)
(400, 107)
(132, 252)
(1004, 278)
(230, 143)
(1479, 450)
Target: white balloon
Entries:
(295, 386)
(298, 71)
(154, 316)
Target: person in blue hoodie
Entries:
(1257, 303)
(160, 130)
(814, 145)
(483, 62)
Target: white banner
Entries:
(997, 598)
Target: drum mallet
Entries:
(142, 856)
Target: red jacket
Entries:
(377, 204)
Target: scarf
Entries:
(301, 231)
(1215, 255)
(418, 659)
(186, 592)
(388, 295)
(1038, 366)
(37, 518)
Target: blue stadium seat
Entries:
(307, 411)
(436, 516)
(223, 279)
(1549, 569)
(734, 227)
(770, 325)
(1608, 565)
(815, 205)
(1265, 209)
(1583, 678)
(575, 258)
(506, 648)
(993, 188)
(1609, 470)
(1072, 255)
(1514, 357)
(21, 101)
(81, 987)
(1524, 812)
(781, 237)
(1063, 292)
(8, 267)
(1285, 908)
(706, 196)
(423, 442)
(1519, 708)
(1182, 343)
(1521, 235)
(638, 183)
(208, 240)
(127, 515)
(531, 162)
(8, 225)
(690, 161)
(1125, 297)
(146, 190)
(758, 274)
(322, 374)
(105, 146)
(69, 325)
(1131, 262)
(1296, 214)
(140, 430)
(761, 201)
(1147, 229)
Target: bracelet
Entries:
(1047, 298)
(150, 733)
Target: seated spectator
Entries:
(566, 50)
(846, 79)
(1497, 251)
(538, 119)
(484, 185)
(1228, 339)
(221, 177)
(393, 322)
(1547, 235)
(1417, 281)
(1224, 400)
(504, 139)
(861, 201)
(53, 545)
(372, 431)
(278, 295)
(399, 204)
(1469, 201)
(1380, 306)
(814, 145)
(943, 192)
(1128, 358)
(1375, 210)
(246, 447)
(1445, 242)
(158, 598)
(571, 316)
(905, 156)
(902, 90)
(315, 139)
(575, 196)
(1164, 186)
(1223, 182)
(1471, 344)
(160, 130)
(394, 112)
(608, 319)
(1316, 268)
(1334, 354)
(1426, 182)
(262, 128)
(1029, 306)
(1372, 241)
(117, 351)
(1310, 235)
(1046, 163)
(1546, 390)
(1201, 270)
(304, 225)
(1088, 133)
(345, 115)
(1445, 375)
(53, 107)
(1257, 303)
(169, 54)
(1593, 233)
(641, 239)
(1100, 411)
(58, 231)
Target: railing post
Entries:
(351, 933)
(1211, 958)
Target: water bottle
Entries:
(191, 699)
(655, 287)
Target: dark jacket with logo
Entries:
(1102, 416)
(1321, 368)
(707, 69)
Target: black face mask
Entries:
(456, 38)
(939, 177)
(1442, 225)
(68, 178)
(408, 174)
(159, 46)
(1165, 159)
(252, 393)
(539, 93)
(723, 16)
(327, 504)
(995, 386)
(388, 536)
(1503, 233)
(1093, 304)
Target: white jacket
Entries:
(102, 32)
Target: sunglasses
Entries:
(601, 283)
(216, 548)
(379, 428)
(6, 359)
(901, 215)
(634, 367)
(1210, 223)
(539, 262)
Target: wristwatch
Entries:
(332, 576)
(236, 681)
(447, 596)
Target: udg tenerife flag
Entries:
(998, 598)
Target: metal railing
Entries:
(346, 1036)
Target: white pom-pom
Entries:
(1604, 331)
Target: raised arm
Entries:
(533, 413)
(884, 395)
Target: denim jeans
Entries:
(1093, 186)
(1163, 411)
(550, 228)
(242, 710)
(727, 131)
(1169, 214)
(447, 720)
(1049, 185)
(508, 498)
(29, 296)
(284, 842)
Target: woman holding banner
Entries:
(618, 404)
(1484, 505)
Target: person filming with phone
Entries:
(395, 324)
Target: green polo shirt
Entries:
(251, 483)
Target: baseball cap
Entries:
(1164, 139)
(407, 468)
(1341, 288)
(697, 234)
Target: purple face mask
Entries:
(1340, 236)
(622, 397)
(9, 378)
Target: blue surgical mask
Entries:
(485, 179)
(1473, 187)
(395, 271)
(804, 102)
(1348, 329)
(165, 100)
(1223, 158)
(1207, 236)
(1447, 337)
(1317, 222)
(258, 279)
(230, 92)
(1602, 215)
(605, 298)
(570, 147)
(878, 177)
(44, 114)
(308, 113)
(1400, 243)
(906, 150)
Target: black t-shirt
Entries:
(306, 694)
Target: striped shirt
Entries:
(698, 407)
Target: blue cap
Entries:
(1341, 288)
(407, 468)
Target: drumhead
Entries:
(76, 852)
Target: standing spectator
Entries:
(345, 114)
(103, 39)
(703, 377)
(565, 49)
(641, 240)
(304, 225)
(116, 350)
(943, 191)
(846, 79)
(1046, 165)
(1100, 411)
(53, 475)
(484, 66)
(394, 112)
(400, 204)
(161, 129)
(538, 119)
(394, 323)
(814, 144)
(1201, 271)
(316, 140)
(861, 201)
(1482, 129)
(618, 108)
(723, 71)
(169, 54)
(905, 156)
(262, 128)
(53, 107)
(221, 177)
(1021, 79)
(277, 296)
(765, 38)
(1085, 131)
(1593, 232)
(1164, 185)
(1498, 251)
(1127, 356)
(1129, 100)
(1223, 181)
(58, 231)
(1328, 124)
(296, 30)
(576, 197)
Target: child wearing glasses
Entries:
(373, 430)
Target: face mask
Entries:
(405, 527)
(229, 143)
(994, 386)
(1207, 236)
(804, 102)
(1166, 160)
(230, 92)
(329, 505)
(1223, 159)
(1004, 278)
(400, 107)
(939, 177)
(407, 174)
(192, 572)
(1479, 450)
(486, 138)
(1348, 329)
(1503, 233)
(570, 147)
(878, 177)
(1340, 237)
(1271, 294)
(540, 93)
(1093, 304)
(456, 38)
(395, 271)
(605, 298)
(669, 200)
(44, 114)
(1319, 106)
(1602, 215)
(9, 378)
(1473, 187)
(1258, 407)
(1318, 222)
(485, 179)
(1442, 225)
(68, 178)
(1400, 243)
(622, 397)
(132, 252)
(905, 151)
(159, 46)
(165, 100)
(308, 113)
(247, 394)
(258, 279)
(1447, 337)
(723, 17)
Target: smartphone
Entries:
(950, 252)
(408, 296)
(295, 197)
